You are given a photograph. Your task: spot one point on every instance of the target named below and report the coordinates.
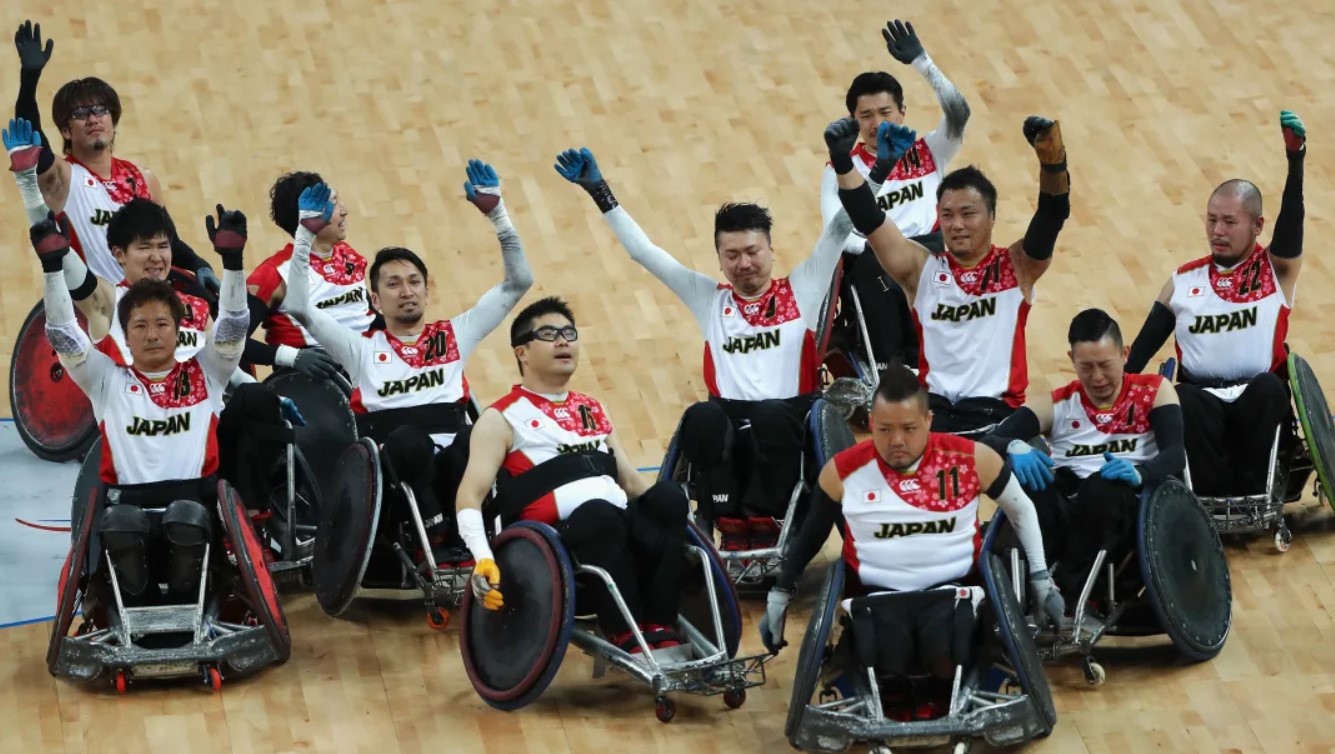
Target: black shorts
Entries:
(911, 632)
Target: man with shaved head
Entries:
(1229, 313)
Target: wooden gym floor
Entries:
(688, 105)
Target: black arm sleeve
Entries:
(1041, 237)
(821, 517)
(1003, 479)
(257, 352)
(1287, 243)
(1153, 334)
(862, 209)
(25, 106)
(185, 257)
(1167, 424)
(1021, 425)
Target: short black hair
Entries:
(742, 216)
(899, 383)
(145, 291)
(283, 198)
(1244, 190)
(525, 320)
(78, 93)
(396, 254)
(873, 82)
(969, 178)
(1093, 325)
(139, 219)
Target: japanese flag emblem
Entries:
(1194, 291)
(872, 496)
(942, 278)
(382, 357)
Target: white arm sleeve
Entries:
(341, 343)
(490, 310)
(695, 289)
(811, 279)
(88, 367)
(222, 355)
(1020, 510)
(830, 207)
(946, 140)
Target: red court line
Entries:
(42, 527)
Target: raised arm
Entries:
(1159, 324)
(314, 210)
(221, 356)
(53, 173)
(1032, 255)
(811, 278)
(903, 43)
(695, 289)
(830, 207)
(1286, 245)
(483, 189)
(88, 367)
(489, 442)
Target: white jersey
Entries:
(761, 348)
(912, 530)
(394, 374)
(91, 202)
(159, 430)
(190, 338)
(543, 429)
(337, 286)
(1082, 432)
(908, 195)
(1231, 324)
(971, 323)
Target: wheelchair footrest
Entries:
(716, 678)
(164, 619)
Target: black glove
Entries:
(228, 236)
(902, 41)
(50, 241)
(28, 41)
(314, 362)
(840, 137)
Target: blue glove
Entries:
(1034, 469)
(1119, 470)
(483, 188)
(893, 141)
(579, 166)
(315, 207)
(23, 143)
(288, 410)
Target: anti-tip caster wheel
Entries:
(1095, 675)
(665, 709)
(962, 747)
(213, 679)
(122, 682)
(734, 698)
(1283, 538)
(437, 619)
(881, 749)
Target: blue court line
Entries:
(27, 622)
(647, 468)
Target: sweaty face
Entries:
(556, 358)
(1230, 230)
(966, 223)
(871, 111)
(337, 229)
(746, 259)
(151, 258)
(150, 334)
(900, 431)
(88, 133)
(1099, 365)
(401, 293)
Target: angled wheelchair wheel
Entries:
(1314, 418)
(256, 583)
(828, 432)
(349, 515)
(88, 481)
(1185, 571)
(812, 653)
(695, 605)
(53, 416)
(330, 424)
(72, 581)
(1013, 630)
(828, 310)
(512, 654)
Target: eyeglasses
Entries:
(548, 334)
(83, 111)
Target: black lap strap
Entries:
(160, 494)
(431, 418)
(515, 493)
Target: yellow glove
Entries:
(486, 577)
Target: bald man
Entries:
(1229, 312)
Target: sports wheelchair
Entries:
(1172, 578)
(511, 655)
(827, 433)
(1308, 446)
(234, 627)
(999, 694)
(360, 552)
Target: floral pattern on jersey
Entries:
(343, 267)
(1251, 280)
(183, 386)
(946, 479)
(915, 163)
(776, 307)
(994, 274)
(1129, 414)
(436, 345)
(578, 413)
(125, 183)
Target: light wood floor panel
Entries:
(688, 105)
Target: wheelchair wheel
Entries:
(512, 654)
(812, 654)
(828, 433)
(1018, 642)
(256, 584)
(330, 425)
(1315, 420)
(88, 482)
(52, 415)
(72, 582)
(348, 521)
(695, 605)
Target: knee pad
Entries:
(124, 531)
(187, 523)
(707, 434)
